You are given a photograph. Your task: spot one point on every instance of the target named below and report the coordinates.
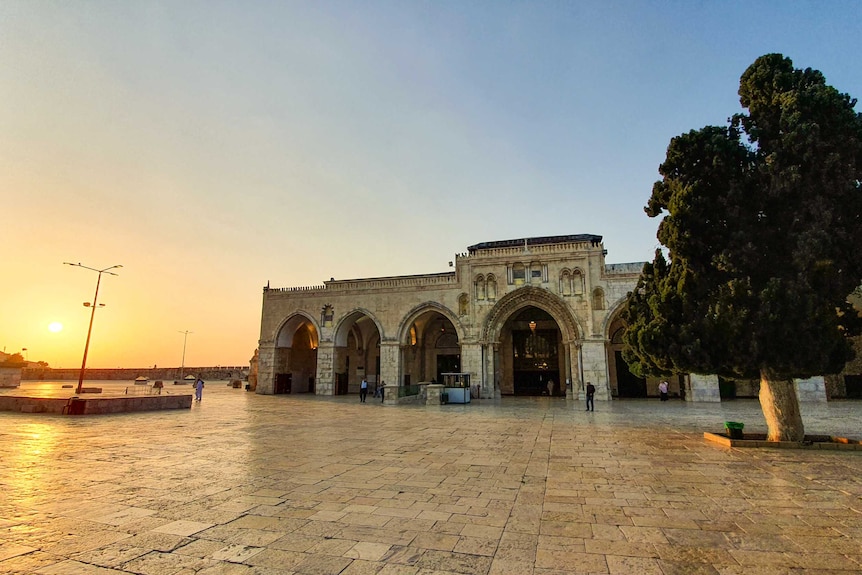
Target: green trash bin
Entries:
(734, 429)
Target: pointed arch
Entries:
(411, 316)
(286, 330)
(537, 297)
(347, 320)
(598, 299)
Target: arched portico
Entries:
(356, 351)
(622, 382)
(530, 341)
(295, 355)
(430, 343)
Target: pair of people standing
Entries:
(199, 388)
(363, 390)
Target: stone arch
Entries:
(613, 314)
(413, 315)
(536, 297)
(284, 333)
(356, 351)
(340, 333)
(622, 382)
(295, 354)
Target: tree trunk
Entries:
(780, 408)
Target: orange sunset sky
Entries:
(212, 147)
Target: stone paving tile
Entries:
(535, 488)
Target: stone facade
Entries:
(536, 316)
(524, 317)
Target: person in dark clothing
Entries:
(591, 392)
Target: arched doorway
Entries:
(357, 353)
(295, 366)
(531, 345)
(430, 347)
(624, 383)
(546, 351)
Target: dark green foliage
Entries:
(763, 229)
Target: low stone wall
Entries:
(10, 376)
(32, 404)
(128, 374)
(94, 405)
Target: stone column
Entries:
(325, 376)
(569, 380)
(704, 388)
(494, 358)
(595, 367)
(471, 362)
(811, 389)
(266, 368)
(433, 391)
(390, 358)
(489, 384)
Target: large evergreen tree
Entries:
(763, 229)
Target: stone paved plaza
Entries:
(277, 485)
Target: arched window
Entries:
(492, 287)
(598, 298)
(480, 287)
(577, 282)
(566, 282)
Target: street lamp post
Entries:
(183, 364)
(92, 315)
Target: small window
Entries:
(492, 287)
(598, 298)
(566, 283)
(577, 282)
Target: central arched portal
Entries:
(531, 354)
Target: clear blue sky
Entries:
(210, 147)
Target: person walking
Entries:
(363, 390)
(199, 388)
(382, 389)
(662, 390)
(591, 392)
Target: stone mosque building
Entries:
(534, 316)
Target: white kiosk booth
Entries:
(456, 387)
